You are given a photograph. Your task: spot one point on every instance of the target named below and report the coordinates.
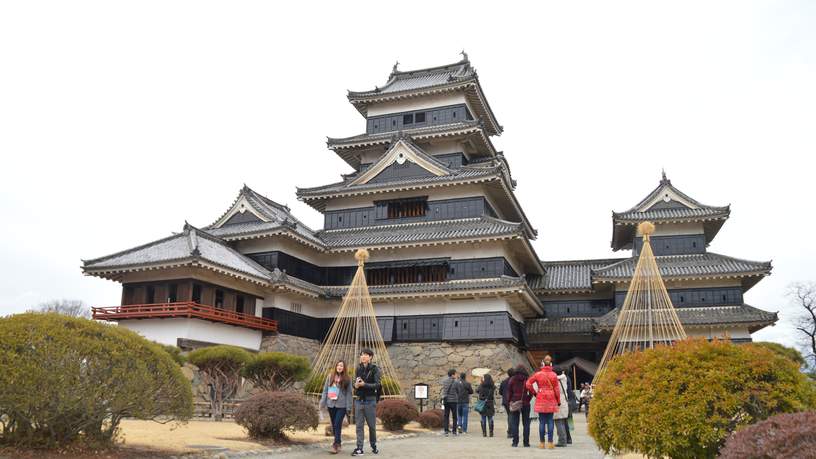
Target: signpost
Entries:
(421, 394)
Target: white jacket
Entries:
(563, 409)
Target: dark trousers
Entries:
(524, 415)
(507, 410)
(450, 407)
(336, 416)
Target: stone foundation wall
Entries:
(429, 363)
(290, 344)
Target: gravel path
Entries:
(470, 446)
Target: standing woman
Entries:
(337, 397)
(548, 399)
(562, 414)
(464, 403)
(487, 393)
(519, 398)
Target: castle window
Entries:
(419, 117)
(407, 208)
(196, 293)
(454, 114)
(219, 299)
(296, 307)
(239, 304)
(150, 295)
(172, 293)
(408, 119)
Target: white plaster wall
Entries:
(417, 103)
(672, 229)
(715, 332)
(167, 331)
(310, 307)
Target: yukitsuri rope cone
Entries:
(647, 317)
(355, 328)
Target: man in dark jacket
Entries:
(463, 406)
(367, 386)
(451, 393)
(505, 399)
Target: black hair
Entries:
(462, 375)
(488, 380)
(451, 372)
(368, 351)
(511, 371)
(521, 369)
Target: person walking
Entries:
(337, 397)
(548, 397)
(519, 398)
(486, 393)
(562, 414)
(451, 393)
(505, 398)
(367, 383)
(463, 406)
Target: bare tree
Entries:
(804, 296)
(73, 308)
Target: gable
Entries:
(666, 197)
(409, 160)
(398, 171)
(242, 217)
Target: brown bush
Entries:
(782, 436)
(431, 419)
(270, 414)
(394, 414)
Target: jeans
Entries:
(487, 421)
(336, 416)
(462, 414)
(450, 407)
(524, 415)
(365, 412)
(545, 425)
(563, 431)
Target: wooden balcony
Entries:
(187, 310)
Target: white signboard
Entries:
(421, 392)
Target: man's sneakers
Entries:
(374, 450)
(357, 452)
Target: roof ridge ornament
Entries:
(464, 56)
(664, 180)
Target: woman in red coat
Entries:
(544, 383)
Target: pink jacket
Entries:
(548, 396)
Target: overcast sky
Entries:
(121, 120)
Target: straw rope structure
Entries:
(355, 328)
(647, 317)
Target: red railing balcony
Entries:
(185, 309)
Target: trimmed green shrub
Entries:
(220, 370)
(395, 413)
(784, 435)
(271, 414)
(175, 353)
(272, 371)
(431, 419)
(683, 401)
(67, 380)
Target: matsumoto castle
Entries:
(452, 265)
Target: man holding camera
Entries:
(367, 387)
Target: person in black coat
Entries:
(506, 398)
(487, 393)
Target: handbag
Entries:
(479, 406)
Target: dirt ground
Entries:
(203, 435)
